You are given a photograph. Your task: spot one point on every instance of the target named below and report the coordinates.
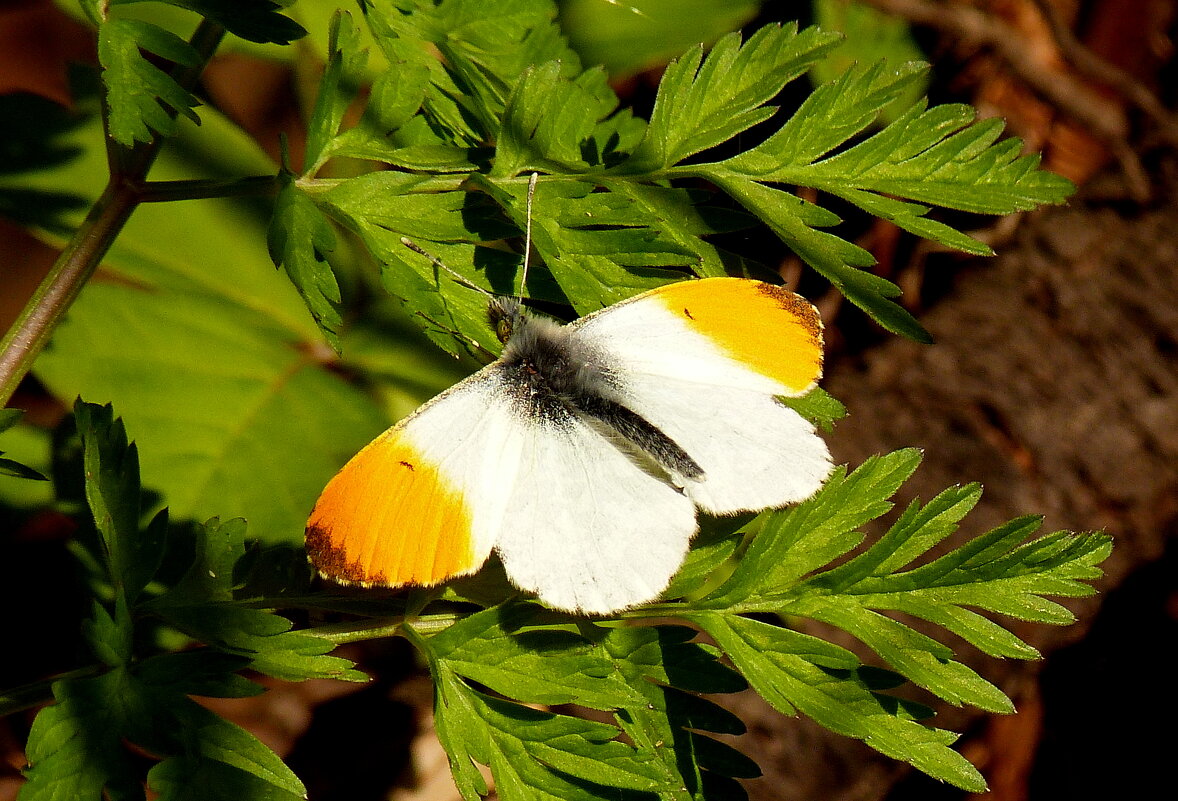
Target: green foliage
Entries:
(78, 747)
(10, 467)
(239, 409)
(628, 36)
(208, 352)
(649, 675)
(609, 221)
(143, 99)
(869, 35)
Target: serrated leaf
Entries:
(796, 222)
(548, 119)
(921, 659)
(532, 753)
(337, 89)
(831, 115)
(139, 94)
(75, 749)
(223, 752)
(301, 239)
(504, 650)
(703, 102)
(201, 604)
(917, 530)
(11, 467)
(254, 20)
(111, 467)
(601, 246)
(795, 541)
(78, 747)
(826, 687)
(390, 131)
(714, 544)
(870, 35)
(668, 721)
(485, 48)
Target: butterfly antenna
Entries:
(527, 236)
(439, 264)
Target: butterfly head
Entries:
(506, 315)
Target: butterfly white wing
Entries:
(418, 505)
(590, 530)
(574, 520)
(703, 361)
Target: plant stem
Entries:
(164, 191)
(28, 696)
(90, 243)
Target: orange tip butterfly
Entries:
(582, 454)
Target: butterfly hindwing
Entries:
(590, 530)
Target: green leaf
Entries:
(808, 536)
(869, 35)
(548, 119)
(9, 467)
(713, 546)
(795, 672)
(996, 572)
(704, 102)
(301, 239)
(668, 722)
(924, 661)
(390, 130)
(207, 351)
(796, 222)
(786, 570)
(337, 90)
(113, 494)
(75, 747)
(139, 94)
(202, 605)
(485, 48)
(254, 20)
(221, 760)
(532, 753)
(600, 246)
(636, 35)
(384, 207)
(819, 407)
(507, 649)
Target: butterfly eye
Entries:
(503, 328)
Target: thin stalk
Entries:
(32, 695)
(201, 188)
(90, 243)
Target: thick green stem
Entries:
(81, 257)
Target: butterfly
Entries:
(584, 452)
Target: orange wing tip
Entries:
(390, 518)
(331, 561)
(768, 328)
